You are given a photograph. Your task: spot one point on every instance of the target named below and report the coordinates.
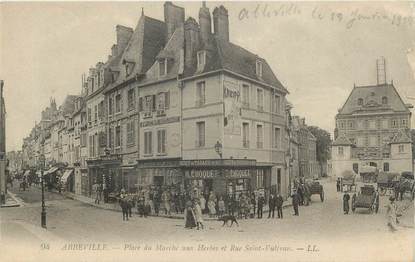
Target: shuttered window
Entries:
(161, 141)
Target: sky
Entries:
(317, 50)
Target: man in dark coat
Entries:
(300, 194)
(296, 202)
(253, 202)
(261, 202)
(346, 198)
(124, 208)
(338, 184)
(278, 202)
(271, 206)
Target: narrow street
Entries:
(321, 224)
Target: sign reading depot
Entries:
(232, 106)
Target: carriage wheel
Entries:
(382, 191)
(354, 202)
(322, 196)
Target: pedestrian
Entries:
(261, 202)
(212, 207)
(221, 205)
(253, 201)
(346, 198)
(396, 190)
(141, 205)
(203, 203)
(295, 202)
(130, 204)
(198, 214)
(165, 197)
(124, 207)
(189, 221)
(338, 184)
(279, 202)
(391, 215)
(98, 190)
(300, 195)
(271, 205)
(156, 202)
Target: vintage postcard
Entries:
(207, 131)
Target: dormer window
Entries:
(258, 70)
(360, 101)
(384, 100)
(128, 67)
(201, 60)
(162, 67)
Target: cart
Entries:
(348, 181)
(315, 188)
(386, 182)
(369, 174)
(366, 198)
(407, 184)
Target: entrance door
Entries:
(158, 180)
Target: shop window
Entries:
(148, 143)
(245, 135)
(200, 94)
(200, 126)
(386, 167)
(259, 136)
(161, 141)
(245, 95)
(260, 99)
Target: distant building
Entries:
(372, 128)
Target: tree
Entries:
(323, 146)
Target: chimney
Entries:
(173, 17)
(123, 36)
(191, 38)
(221, 23)
(205, 23)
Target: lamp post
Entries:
(43, 213)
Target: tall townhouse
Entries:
(147, 39)
(99, 79)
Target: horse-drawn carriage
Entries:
(348, 181)
(386, 182)
(366, 198)
(315, 188)
(406, 184)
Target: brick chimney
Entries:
(205, 22)
(221, 23)
(173, 17)
(123, 36)
(191, 38)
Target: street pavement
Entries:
(321, 233)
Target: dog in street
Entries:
(225, 219)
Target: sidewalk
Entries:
(116, 207)
(11, 201)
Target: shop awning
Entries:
(51, 170)
(65, 175)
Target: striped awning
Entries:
(66, 175)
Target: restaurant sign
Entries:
(218, 162)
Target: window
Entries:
(131, 99)
(101, 110)
(110, 105)
(360, 101)
(351, 124)
(110, 137)
(245, 135)
(260, 178)
(384, 100)
(162, 67)
(404, 123)
(386, 167)
(96, 114)
(277, 104)
(277, 137)
(384, 124)
(401, 148)
(341, 124)
(259, 137)
(372, 124)
(163, 101)
(394, 123)
(201, 60)
(373, 141)
(245, 95)
(340, 151)
(200, 134)
(83, 140)
(356, 168)
(130, 133)
(89, 116)
(161, 141)
(260, 99)
(366, 124)
(118, 103)
(200, 94)
(279, 180)
(118, 136)
(148, 143)
(258, 68)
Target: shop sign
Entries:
(160, 121)
(158, 164)
(202, 174)
(218, 162)
(237, 173)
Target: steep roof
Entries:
(342, 140)
(372, 100)
(68, 105)
(402, 136)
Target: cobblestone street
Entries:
(318, 224)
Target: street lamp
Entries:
(43, 214)
(218, 148)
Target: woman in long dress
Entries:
(391, 209)
(198, 214)
(190, 221)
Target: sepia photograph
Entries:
(207, 131)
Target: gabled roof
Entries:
(372, 100)
(401, 137)
(342, 140)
